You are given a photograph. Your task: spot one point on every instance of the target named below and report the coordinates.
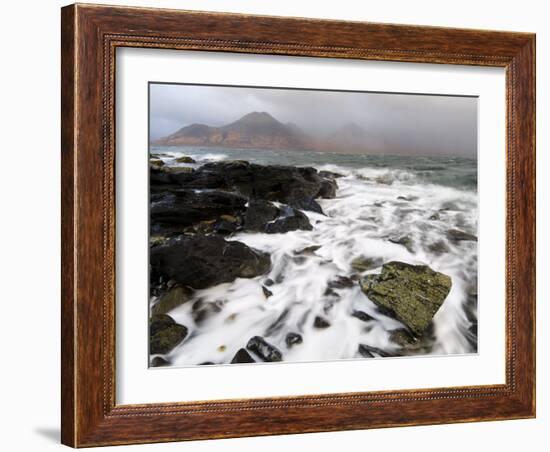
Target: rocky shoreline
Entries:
(196, 210)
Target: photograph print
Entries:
(296, 225)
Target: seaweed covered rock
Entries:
(410, 293)
(164, 334)
(201, 261)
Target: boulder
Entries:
(185, 159)
(171, 299)
(367, 351)
(292, 221)
(185, 207)
(242, 357)
(328, 189)
(258, 214)
(456, 235)
(292, 339)
(164, 334)
(264, 349)
(410, 293)
(287, 184)
(320, 323)
(203, 261)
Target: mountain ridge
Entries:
(259, 129)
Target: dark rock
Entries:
(258, 214)
(405, 241)
(264, 350)
(366, 351)
(410, 293)
(156, 163)
(434, 216)
(164, 334)
(407, 198)
(267, 292)
(185, 207)
(341, 282)
(269, 282)
(328, 189)
(185, 159)
(293, 221)
(320, 323)
(224, 227)
(438, 248)
(308, 251)
(330, 174)
(293, 339)
(175, 297)
(290, 185)
(204, 261)
(402, 337)
(242, 357)
(159, 362)
(203, 310)
(362, 264)
(455, 235)
(363, 316)
(207, 363)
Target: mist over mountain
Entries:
(260, 130)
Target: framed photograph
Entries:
(281, 225)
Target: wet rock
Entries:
(293, 221)
(330, 174)
(292, 339)
(342, 282)
(308, 251)
(320, 323)
(175, 297)
(184, 207)
(366, 351)
(362, 264)
(204, 261)
(178, 170)
(410, 293)
(258, 214)
(267, 292)
(361, 315)
(407, 198)
(405, 241)
(264, 350)
(456, 235)
(158, 361)
(203, 310)
(438, 248)
(164, 334)
(287, 184)
(224, 227)
(328, 189)
(185, 159)
(156, 163)
(402, 337)
(434, 216)
(242, 357)
(269, 282)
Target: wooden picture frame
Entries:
(90, 36)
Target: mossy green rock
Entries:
(164, 334)
(410, 293)
(185, 159)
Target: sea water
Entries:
(380, 199)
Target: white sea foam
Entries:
(359, 222)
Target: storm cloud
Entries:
(407, 124)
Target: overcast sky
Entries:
(397, 123)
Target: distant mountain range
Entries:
(260, 130)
